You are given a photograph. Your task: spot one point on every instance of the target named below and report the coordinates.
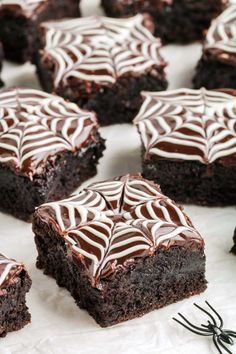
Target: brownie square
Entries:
(217, 66)
(20, 20)
(121, 248)
(189, 144)
(102, 64)
(48, 147)
(180, 21)
(14, 284)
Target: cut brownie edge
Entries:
(233, 250)
(19, 196)
(113, 105)
(14, 312)
(212, 73)
(193, 182)
(147, 284)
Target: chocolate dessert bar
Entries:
(121, 248)
(48, 147)
(14, 284)
(19, 21)
(217, 66)
(189, 144)
(102, 64)
(180, 21)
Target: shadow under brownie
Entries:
(48, 147)
(14, 284)
(181, 21)
(217, 66)
(102, 64)
(20, 20)
(189, 144)
(121, 248)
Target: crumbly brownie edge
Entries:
(144, 279)
(193, 182)
(20, 39)
(58, 181)
(212, 74)
(14, 313)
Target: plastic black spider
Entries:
(221, 337)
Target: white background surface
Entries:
(58, 325)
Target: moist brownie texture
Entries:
(20, 20)
(48, 147)
(189, 144)
(217, 66)
(14, 284)
(175, 20)
(121, 248)
(102, 64)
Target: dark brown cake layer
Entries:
(19, 195)
(19, 25)
(234, 247)
(180, 21)
(212, 73)
(14, 284)
(168, 276)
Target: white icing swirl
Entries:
(8, 268)
(28, 6)
(100, 49)
(115, 221)
(35, 125)
(222, 34)
(197, 125)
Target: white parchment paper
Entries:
(58, 325)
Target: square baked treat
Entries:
(48, 147)
(14, 284)
(189, 144)
(180, 21)
(102, 64)
(217, 66)
(20, 19)
(121, 248)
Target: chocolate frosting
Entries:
(188, 125)
(221, 37)
(109, 224)
(9, 269)
(36, 127)
(100, 50)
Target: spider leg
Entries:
(192, 325)
(216, 344)
(207, 313)
(230, 333)
(223, 346)
(191, 329)
(217, 314)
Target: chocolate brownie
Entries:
(20, 20)
(189, 144)
(48, 147)
(102, 64)
(121, 248)
(14, 284)
(180, 21)
(217, 66)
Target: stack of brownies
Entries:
(122, 247)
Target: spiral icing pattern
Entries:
(185, 124)
(100, 49)
(35, 125)
(111, 223)
(221, 36)
(8, 269)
